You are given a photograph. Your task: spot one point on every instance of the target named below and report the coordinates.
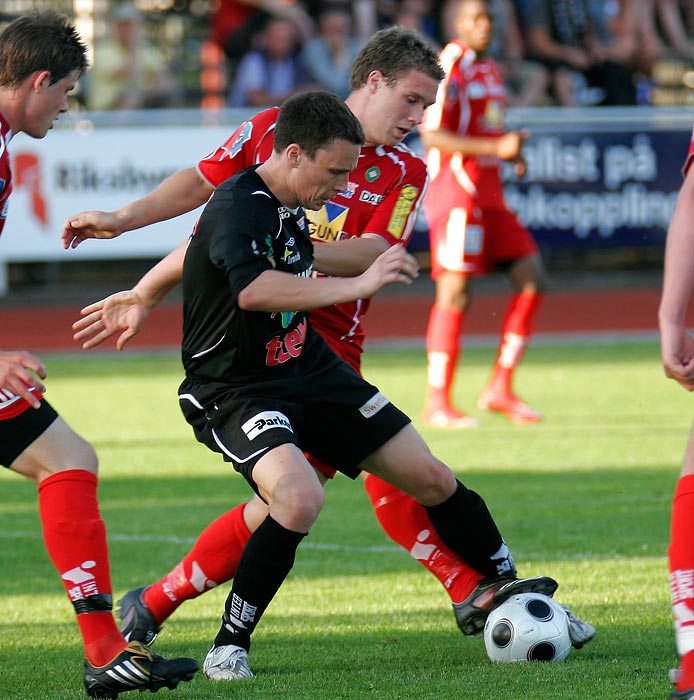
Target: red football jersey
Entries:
(471, 101)
(383, 198)
(10, 405)
(5, 170)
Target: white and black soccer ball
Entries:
(527, 627)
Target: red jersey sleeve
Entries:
(395, 216)
(249, 145)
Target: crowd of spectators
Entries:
(552, 52)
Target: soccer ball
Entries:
(527, 627)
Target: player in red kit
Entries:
(472, 231)
(678, 360)
(41, 59)
(395, 75)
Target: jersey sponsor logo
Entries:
(284, 212)
(327, 223)
(290, 256)
(494, 114)
(474, 239)
(372, 174)
(244, 135)
(374, 405)
(27, 175)
(265, 420)
(283, 348)
(370, 197)
(477, 90)
(349, 192)
(401, 210)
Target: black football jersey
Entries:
(243, 231)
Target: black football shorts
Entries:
(324, 407)
(16, 434)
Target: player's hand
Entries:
(677, 351)
(395, 265)
(509, 145)
(90, 224)
(20, 372)
(122, 312)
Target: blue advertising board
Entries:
(586, 189)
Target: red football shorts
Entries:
(475, 242)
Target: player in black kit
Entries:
(262, 387)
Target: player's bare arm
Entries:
(348, 257)
(280, 291)
(20, 372)
(677, 347)
(506, 146)
(180, 193)
(126, 312)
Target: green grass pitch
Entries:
(584, 497)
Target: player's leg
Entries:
(516, 253)
(406, 522)
(681, 563)
(444, 345)
(286, 481)
(64, 466)
(211, 561)
(455, 512)
(457, 252)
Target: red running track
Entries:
(390, 318)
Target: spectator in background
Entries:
(417, 15)
(272, 72)
(328, 56)
(562, 36)
(128, 73)
(236, 23)
(363, 14)
(526, 82)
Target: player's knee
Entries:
(297, 504)
(81, 455)
(436, 483)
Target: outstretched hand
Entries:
(20, 374)
(122, 312)
(89, 224)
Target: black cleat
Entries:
(136, 668)
(137, 622)
(682, 694)
(490, 593)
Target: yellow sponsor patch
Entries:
(327, 223)
(401, 210)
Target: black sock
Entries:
(266, 560)
(466, 526)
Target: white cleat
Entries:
(227, 663)
(580, 631)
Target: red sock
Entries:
(75, 538)
(443, 348)
(212, 561)
(406, 522)
(681, 560)
(517, 329)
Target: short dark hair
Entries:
(395, 51)
(314, 120)
(40, 41)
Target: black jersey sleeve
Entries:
(241, 240)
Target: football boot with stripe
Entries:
(136, 668)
